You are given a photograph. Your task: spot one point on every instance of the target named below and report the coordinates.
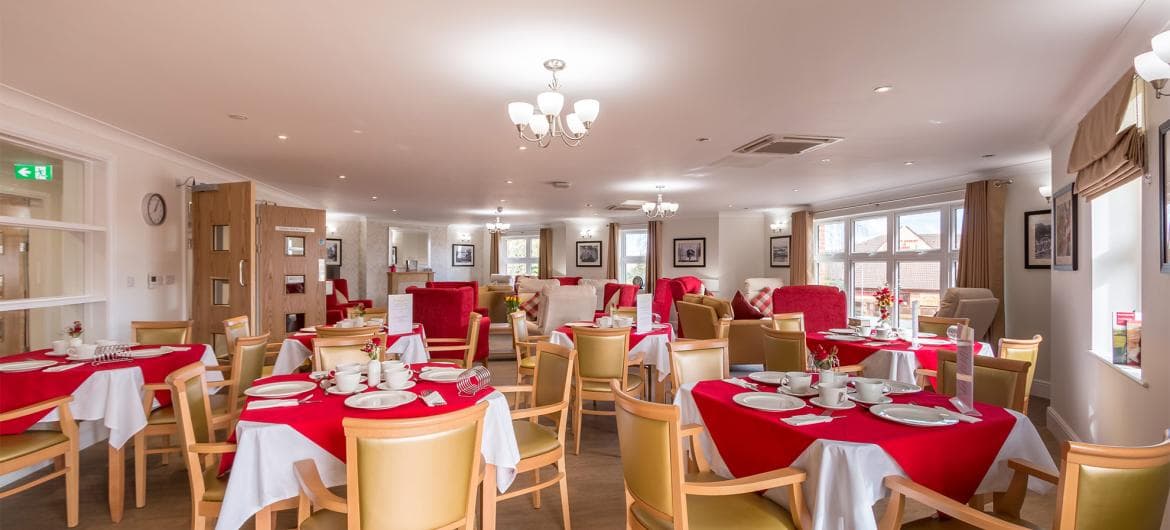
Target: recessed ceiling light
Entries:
(282, 137)
(507, 182)
(358, 131)
(503, 200)
(795, 189)
(702, 139)
(883, 89)
(523, 148)
(826, 160)
(394, 210)
(935, 122)
(908, 163)
(588, 205)
(731, 206)
(374, 198)
(341, 177)
(240, 117)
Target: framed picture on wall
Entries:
(778, 249)
(394, 254)
(333, 252)
(1064, 229)
(690, 252)
(462, 255)
(1038, 239)
(588, 253)
(1164, 193)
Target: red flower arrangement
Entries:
(75, 329)
(884, 298)
(373, 348)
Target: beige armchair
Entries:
(701, 317)
(973, 303)
(563, 304)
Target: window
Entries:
(1117, 259)
(522, 255)
(632, 255)
(914, 251)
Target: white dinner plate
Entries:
(933, 342)
(925, 335)
(441, 375)
(337, 391)
(898, 387)
(843, 331)
(148, 353)
(380, 400)
(25, 366)
(845, 338)
(771, 378)
(282, 389)
(857, 397)
(580, 325)
(768, 401)
(384, 385)
(913, 415)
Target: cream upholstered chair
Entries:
(563, 304)
(234, 328)
(247, 366)
(788, 321)
(29, 448)
(436, 463)
(1099, 487)
(540, 445)
(522, 345)
(626, 311)
(998, 382)
(193, 414)
(1022, 350)
(161, 331)
(660, 496)
(976, 304)
(939, 325)
(326, 332)
(332, 351)
(698, 360)
(784, 351)
(465, 346)
(601, 357)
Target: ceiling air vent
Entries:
(786, 144)
(632, 205)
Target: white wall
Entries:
(690, 227)
(743, 251)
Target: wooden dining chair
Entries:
(376, 312)
(788, 321)
(233, 329)
(247, 366)
(659, 493)
(467, 347)
(332, 351)
(1022, 350)
(939, 325)
(523, 345)
(436, 466)
(1099, 486)
(626, 311)
(33, 447)
(161, 331)
(999, 382)
(196, 429)
(328, 332)
(540, 445)
(601, 357)
(697, 360)
(784, 350)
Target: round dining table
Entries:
(891, 359)
(298, 347)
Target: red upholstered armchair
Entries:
(474, 285)
(443, 315)
(824, 306)
(670, 290)
(628, 296)
(335, 308)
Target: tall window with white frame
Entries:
(915, 251)
(632, 245)
(522, 255)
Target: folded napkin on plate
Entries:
(271, 404)
(958, 416)
(806, 419)
(63, 367)
(433, 398)
(740, 383)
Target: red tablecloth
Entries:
(306, 338)
(21, 389)
(635, 337)
(951, 460)
(321, 421)
(855, 352)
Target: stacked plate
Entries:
(768, 401)
(282, 389)
(25, 366)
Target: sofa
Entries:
(443, 313)
(338, 301)
(701, 317)
(824, 306)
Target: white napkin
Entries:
(740, 383)
(807, 419)
(957, 416)
(433, 399)
(63, 367)
(874, 343)
(271, 404)
(180, 348)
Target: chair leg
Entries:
(536, 494)
(564, 487)
(577, 426)
(72, 487)
(488, 499)
(139, 470)
(198, 522)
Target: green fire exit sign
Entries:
(33, 171)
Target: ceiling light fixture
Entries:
(908, 163)
(358, 131)
(282, 137)
(702, 139)
(883, 89)
(341, 177)
(935, 122)
(240, 117)
(1152, 65)
(497, 227)
(826, 160)
(546, 124)
(660, 209)
(795, 189)
(507, 182)
(395, 210)
(374, 198)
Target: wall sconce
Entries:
(1046, 192)
(587, 233)
(332, 229)
(777, 227)
(464, 237)
(1153, 65)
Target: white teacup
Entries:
(398, 379)
(833, 396)
(61, 347)
(85, 351)
(345, 323)
(864, 331)
(833, 379)
(884, 333)
(869, 389)
(605, 322)
(392, 366)
(348, 367)
(348, 381)
(798, 381)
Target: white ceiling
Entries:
(427, 84)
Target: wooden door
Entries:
(291, 269)
(223, 241)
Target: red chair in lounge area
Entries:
(443, 313)
(824, 306)
(474, 285)
(338, 301)
(670, 290)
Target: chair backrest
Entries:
(414, 473)
(823, 306)
(626, 311)
(334, 331)
(474, 285)
(698, 360)
(248, 362)
(442, 312)
(234, 328)
(696, 321)
(552, 382)
(667, 291)
(519, 325)
(1022, 350)
(1113, 487)
(651, 449)
(330, 352)
(939, 325)
(375, 312)
(602, 353)
(999, 382)
(192, 406)
(473, 320)
(619, 295)
(784, 351)
(340, 286)
(981, 312)
(161, 331)
(566, 303)
(788, 321)
(949, 305)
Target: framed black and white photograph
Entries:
(294, 246)
(1038, 239)
(690, 252)
(333, 252)
(778, 248)
(588, 253)
(1164, 193)
(1064, 229)
(394, 254)
(462, 255)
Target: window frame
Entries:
(624, 259)
(531, 260)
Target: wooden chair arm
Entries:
(535, 339)
(850, 369)
(42, 406)
(214, 448)
(1028, 468)
(313, 488)
(155, 387)
(513, 388)
(788, 476)
(690, 429)
(903, 487)
(447, 348)
(445, 341)
(1010, 501)
(220, 384)
(534, 412)
(219, 368)
(925, 372)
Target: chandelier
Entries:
(498, 227)
(546, 124)
(660, 209)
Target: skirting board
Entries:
(1060, 428)
(1040, 388)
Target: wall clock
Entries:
(154, 209)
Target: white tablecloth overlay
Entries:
(844, 479)
(115, 396)
(653, 347)
(899, 365)
(409, 348)
(262, 472)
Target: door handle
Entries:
(241, 267)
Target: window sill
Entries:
(1134, 373)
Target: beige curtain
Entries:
(653, 254)
(494, 254)
(1102, 156)
(800, 249)
(611, 258)
(981, 250)
(544, 267)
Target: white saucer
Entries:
(810, 392)
(855, 397)
(817, 401)
(385, 386)
(333, 390)
(925, 335)
(843, 331)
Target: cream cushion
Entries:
(599, 285)
(565, 303)
(751, 286)
(534, 285)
